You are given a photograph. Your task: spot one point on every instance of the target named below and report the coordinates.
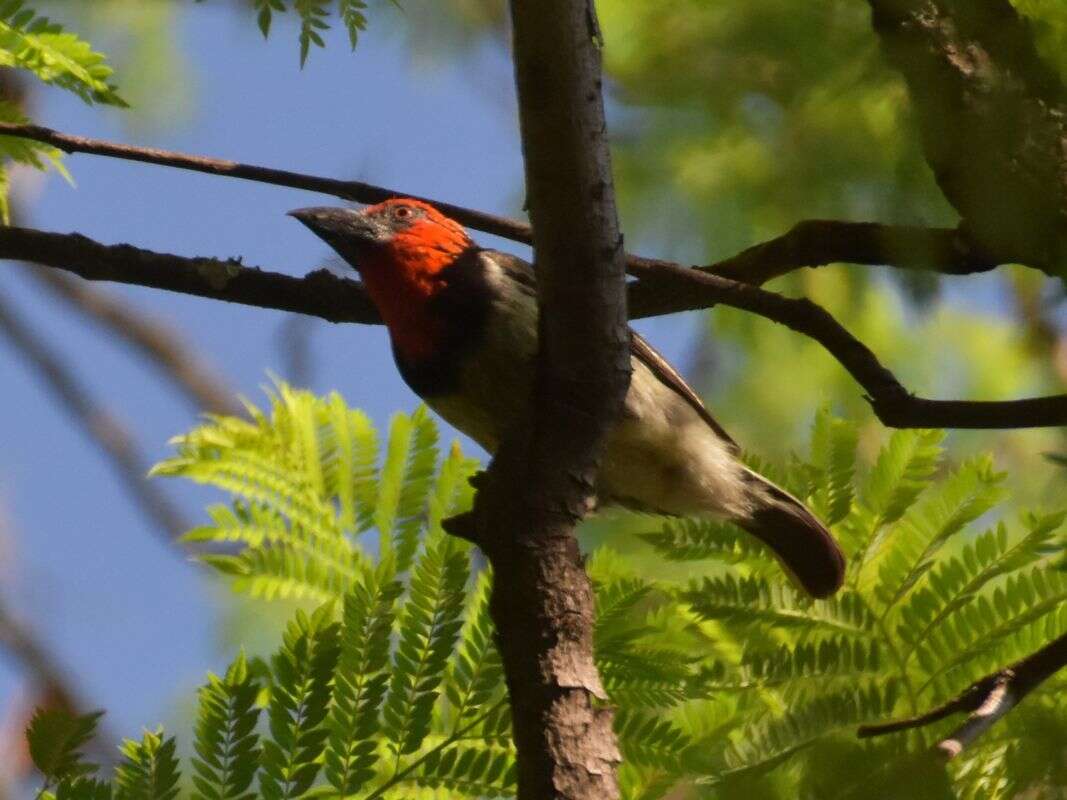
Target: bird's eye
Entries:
(403, 212)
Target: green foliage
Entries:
(149, 769)
(429, 624)
(23, 151)
(725, 680)
(929, 606)
(360, 682)
(227, 750)
(303, 670)
(55, 741)
(313, 16)
(37, 45)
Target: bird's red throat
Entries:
(403, 276)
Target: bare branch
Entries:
(664, 288)
(347, 190)
(810, 243)
(320, 293)
(987, 699)
(159, 343)
(104, 429)
(667, 285)
(817, 242)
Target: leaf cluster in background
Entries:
(314, 16)
(725, 679)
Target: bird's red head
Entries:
(400, 247)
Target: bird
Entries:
(463, 324)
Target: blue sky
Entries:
(128, 616)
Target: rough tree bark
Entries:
(541, 482)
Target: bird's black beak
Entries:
(341, 227)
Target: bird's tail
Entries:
(802, 544)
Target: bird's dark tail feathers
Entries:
(802, 544)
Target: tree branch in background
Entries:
(667, 285)
(159, 343)
(320, 293)
(294, 347)
(810, 243)
(356, 191)
(542, 480)
(818, 242)
(53, 687)
(106, 431)
(24, 647)
(987, 699)
(993, 120)
(664, 288)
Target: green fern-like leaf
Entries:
(56, 739)
(650, 740)
(475, 675)
(351, 463)
(470, 771)
(757, 601)
(405, 480)
(226, 745)
(429, 626)
(36, 44)
(265, 13)
(995, 614)
(833, 452)
(360, 683)
(808, 666)
(313, 14)
(149, 769)
(452, 491)
(901, 472)
(303, 669)
(305, 485)
(967, 494)
(717, 681)
(956, 581)
(83, 789)
(686, 539)
(23, 151)
(354, 19)
(764, 744)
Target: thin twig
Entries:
(818, 242)
(987, 699)
(159, 343)
(810, 243)
(347, 190)
(104, 429)
(664, 288)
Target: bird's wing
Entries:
(523, 274)
(668, 375)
